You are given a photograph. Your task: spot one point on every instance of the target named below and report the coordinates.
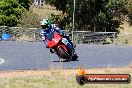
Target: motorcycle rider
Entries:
(48, 27)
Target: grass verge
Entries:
(57, 78)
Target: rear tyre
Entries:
(63, 53)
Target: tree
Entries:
(11, 10)
(94, 15)
(129, 9)
(25, 3)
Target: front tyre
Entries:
(74, 57)
(63, 53)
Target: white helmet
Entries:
(44, 22)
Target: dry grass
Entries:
(125, 36)
(24, 38)
(62, 72)
(127, 28)
(57, 78)
(45, 11)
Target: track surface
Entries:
(34, 55)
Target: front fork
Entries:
(67, 43)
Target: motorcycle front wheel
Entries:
(63, 53)
(74, 57)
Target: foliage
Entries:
(11, 10)
(25, 3)
(59, 4)
(129, 9)
(94, 15)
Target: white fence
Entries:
(21, 34)
(80, 37)
(87, 37)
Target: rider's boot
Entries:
(52, 51)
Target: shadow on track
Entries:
(65, 61)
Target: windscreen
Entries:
(50, 36)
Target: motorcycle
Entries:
(61, 46)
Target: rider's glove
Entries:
(43, 38)
(61, 33)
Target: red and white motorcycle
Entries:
(61, 46)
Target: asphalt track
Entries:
(34, 55)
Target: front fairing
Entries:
(53, 39)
